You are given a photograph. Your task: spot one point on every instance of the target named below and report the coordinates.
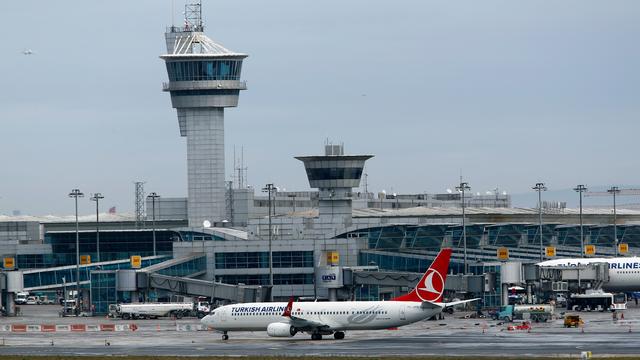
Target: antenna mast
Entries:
(139, 203)
(193, 17)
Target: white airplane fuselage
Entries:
(337, 316)
(624, 272)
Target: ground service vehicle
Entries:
(155, 310)
(535, 312)
(597, 301)
(21, 298)
(572, 321)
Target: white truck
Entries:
(156, 310)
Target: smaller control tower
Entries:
(204, 78)
(334, 175)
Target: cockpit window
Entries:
(213, 313)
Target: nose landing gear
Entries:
(225, 337)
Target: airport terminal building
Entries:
(333, 241)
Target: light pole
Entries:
(462, 188)
(153, 196)
(540, 188)
(269, 188)
(96, 197)
(615, 190)
(76, 193)
(580, 189)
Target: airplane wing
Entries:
(444, 305)
(454, 303)
(300, 323)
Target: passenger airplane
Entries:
(624, 272)
(326, 318)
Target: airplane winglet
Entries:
(287, 310)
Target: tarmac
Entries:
(454, 336)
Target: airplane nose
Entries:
(207, 320)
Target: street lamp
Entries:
(76, 193)
(269, 188)
(540, 188)
(615, 190)
(153, 196)
(580, 189)
(96, 197)
(462, 188)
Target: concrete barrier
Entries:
(34, 328)
(93, 327)
(48, 328)
(63, 328)
(18, 328)
(5, 328)
(78, 327)
(107, 327)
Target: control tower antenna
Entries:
(239, 170)
(193, 17)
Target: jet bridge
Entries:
(178, 276)
(574, 278)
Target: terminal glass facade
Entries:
(203, 70)
(260, 260)
(114, 245)
(103, 291)
(263, 279)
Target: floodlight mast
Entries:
(540, 188)
(580, 189)
(462, 188)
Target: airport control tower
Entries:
(334, 175)
(204, 78)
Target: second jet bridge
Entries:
(574, 278)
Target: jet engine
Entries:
(281, 330)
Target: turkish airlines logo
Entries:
(433, 286)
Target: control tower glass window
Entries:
(204, 70)
(333, 173)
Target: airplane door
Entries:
(403, 316)
(223, 315)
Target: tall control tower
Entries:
(204, 78)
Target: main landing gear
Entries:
(338, 335)
(316, 336)
(225, 337)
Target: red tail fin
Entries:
(431, 286)
(287, 310)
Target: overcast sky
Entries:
(507, 93)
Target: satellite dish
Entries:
(206, 224)
(488, 193)
(449, 191)
(478, 194)
(504, 193)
